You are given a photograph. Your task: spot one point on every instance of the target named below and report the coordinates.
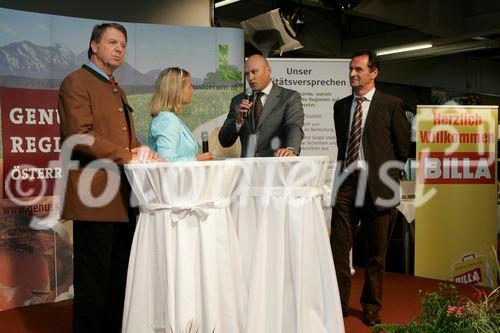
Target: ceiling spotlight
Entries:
(341, 4)
(348, 4)
(293, 16)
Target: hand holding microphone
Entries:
(245, 106)
(249, 98)
(206, 155)
(204, 141)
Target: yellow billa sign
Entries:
(455, 194)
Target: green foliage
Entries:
(223, 53)
(445, 311)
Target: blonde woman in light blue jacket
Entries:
(168, 135)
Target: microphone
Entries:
(248, 93)
(204, 141)
(248, 97)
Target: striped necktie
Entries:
(258, 107)
(355, 135)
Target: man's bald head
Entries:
(257, 72)
(258, 59)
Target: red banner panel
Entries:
(457, 168)
(31, 141)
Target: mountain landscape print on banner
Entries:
(25, 64)
(38, 50)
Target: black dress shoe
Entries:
(371, 318)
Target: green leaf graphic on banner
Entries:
(226, 71)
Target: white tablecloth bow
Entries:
(184, 267)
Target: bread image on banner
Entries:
(30, 272)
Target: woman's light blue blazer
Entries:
(171, 139)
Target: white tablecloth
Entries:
(285, 248)
(184, 265)
(270, 270)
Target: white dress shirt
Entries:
(263, 99)
(365, 105)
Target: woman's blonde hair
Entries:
(168, 91)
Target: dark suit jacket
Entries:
(386, 137)
(88, 104)
(281, 118)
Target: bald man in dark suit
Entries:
(271, 127)
(373, 139)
